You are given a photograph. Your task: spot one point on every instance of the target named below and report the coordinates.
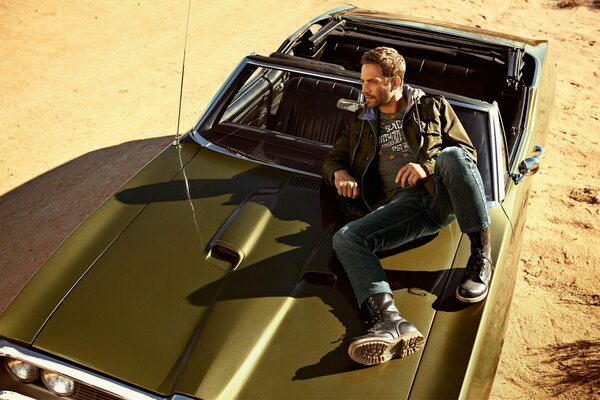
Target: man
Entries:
(406, 157)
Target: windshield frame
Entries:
(331, 72)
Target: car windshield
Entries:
(290, 118)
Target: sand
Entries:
(90, 93)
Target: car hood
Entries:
(223, 284)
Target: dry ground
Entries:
(89, 92)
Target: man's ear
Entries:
(396, 82)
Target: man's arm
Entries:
(338, 158)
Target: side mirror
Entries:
(349, 104)
(528, 166)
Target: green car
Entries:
(211, 274)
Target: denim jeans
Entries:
(410, 214)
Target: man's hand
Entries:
(410, 174)
(345, 184)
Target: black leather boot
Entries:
(390, 335)
(475, 282)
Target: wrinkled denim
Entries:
(409, 215)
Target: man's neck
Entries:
(394, 105)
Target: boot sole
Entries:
(471, 299)
(370, 351)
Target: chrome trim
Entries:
(217, 97)
(307, 71)
(328, 14)
(492, 111)
(503, 156)
(215, 147)
(496, 153)
(7, 395)
(89, 378)
(539, 53)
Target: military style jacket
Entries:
(430, 125)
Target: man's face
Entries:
(376, 88)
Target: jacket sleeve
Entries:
(339, 156)
(439, 119)
(453, 133)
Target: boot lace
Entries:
(476, 264)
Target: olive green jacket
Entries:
(430, 125)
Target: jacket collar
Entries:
(369, 114)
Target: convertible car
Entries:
(211, 274)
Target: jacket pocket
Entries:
(431, 128)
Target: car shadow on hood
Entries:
(285, 275)
(263, 279)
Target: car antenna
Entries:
(187, 24)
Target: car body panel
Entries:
(212, 275)
(38, 299)
(182, 290)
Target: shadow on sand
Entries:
(579, 366)
(593, 4)
(38, 215)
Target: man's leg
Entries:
(401, 220)
(459, 186)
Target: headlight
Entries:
(21, 370)
(59, 384)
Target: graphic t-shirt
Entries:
(392, 150)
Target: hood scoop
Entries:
(242, 230)
(246, 225)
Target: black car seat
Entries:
(308, 109)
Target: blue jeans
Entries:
(409, 215)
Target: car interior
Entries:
(292, 118)
(487, 72)
(289, 115)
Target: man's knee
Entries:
(342, 237)
(451, 154)
(339, 239)
(452, 160)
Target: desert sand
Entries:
(89, 92)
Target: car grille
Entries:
(36, 388)
(305, 182)
(84, 392)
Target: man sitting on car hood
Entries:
(407, 168)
